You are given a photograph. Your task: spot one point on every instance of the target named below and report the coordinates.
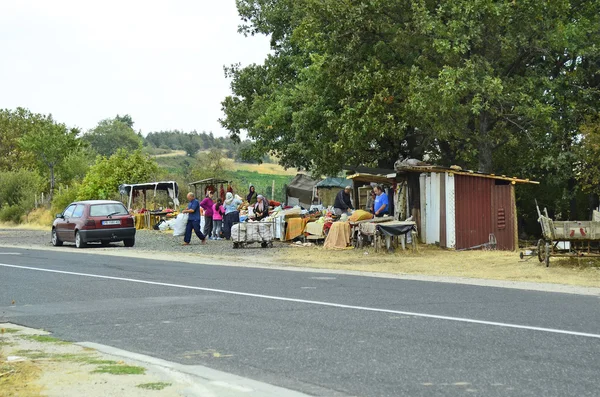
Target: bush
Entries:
(12, 213)
(64, 197)
(39, 216)
(18, 190)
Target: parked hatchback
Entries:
(90, 221)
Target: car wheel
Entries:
(129, 242)
(104, 243)
(79, 243)
(55, 240)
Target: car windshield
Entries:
(108, 209)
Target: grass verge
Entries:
(44, 339)
(429, 260)
(154, 386)
(117, 369)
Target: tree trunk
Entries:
(485, 144)
(52, 181)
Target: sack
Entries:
(238, 232)
(180, 224)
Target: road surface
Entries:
(317, 333)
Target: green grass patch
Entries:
(120, 370)
(44, 339)
(9, 331)
(76, 358)
(154, 386)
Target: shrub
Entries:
(18, 190)
(64, 197)
(12, 213)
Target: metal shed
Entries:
(464, 209)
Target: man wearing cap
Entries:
(343, 203)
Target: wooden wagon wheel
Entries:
(541, 251)
(544, 252)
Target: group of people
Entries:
(377, 202)
(220, 216)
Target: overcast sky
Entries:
(159, 61)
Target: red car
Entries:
(100, 221)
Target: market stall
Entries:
(218, 186)
(148, 217)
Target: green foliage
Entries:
(497, 86)
(105, 176)
(113, 134)
(75, 166)
(63, 197)
(588, 170)
(50, 143)
(17, 193)
(13, 126)
(210, 165)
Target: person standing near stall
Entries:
(343, 203)
(218, 212)
(207, 206)
(381, 205)
(232, 214)
(193, 209)
(252, 198)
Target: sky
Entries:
(159, 61)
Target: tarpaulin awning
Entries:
(171, 187)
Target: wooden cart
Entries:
(567, 238)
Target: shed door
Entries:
(433, 215)
(503, 215)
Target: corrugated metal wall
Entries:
(484, 208)
(473, 210)
(503, 216)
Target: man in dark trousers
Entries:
(343, 203)
(193, 209)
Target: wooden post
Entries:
(42, 198)
(513, 198)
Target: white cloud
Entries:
(161, 62)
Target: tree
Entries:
(105, 176)
(191, 147)
(463, 81)
(125, 119)
(13, 126)
(210, 165)
(50, 143)
(113, 134)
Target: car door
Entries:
(65, 228)
(76, 220)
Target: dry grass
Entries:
(264, 168)
(38, 219)
(175, 153)
(496, 265)
(17, 379)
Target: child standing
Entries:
(217, 219)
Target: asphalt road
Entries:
(322, 334)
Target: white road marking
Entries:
(319, 303)
(10, 253)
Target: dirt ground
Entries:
(430, 260)
(33, 364)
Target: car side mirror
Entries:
(60, 216)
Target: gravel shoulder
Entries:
(488, 268)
